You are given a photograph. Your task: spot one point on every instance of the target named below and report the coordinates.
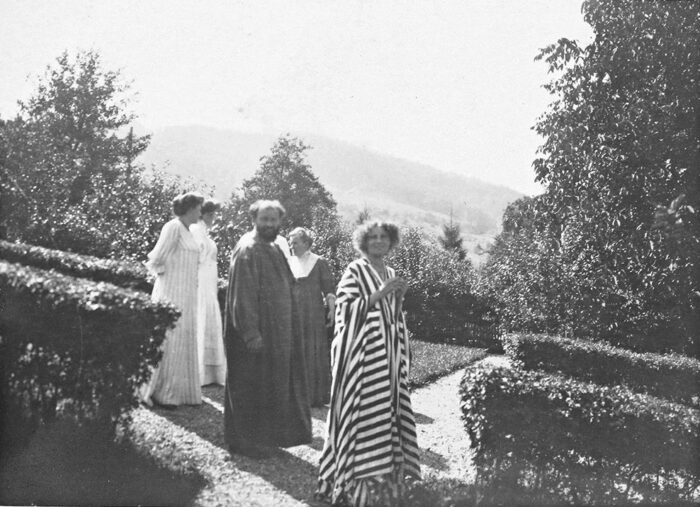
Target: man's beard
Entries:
(267, 232)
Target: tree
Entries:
(283, 175)
(451, 239)
(622, 137)
(363, 215)
(69, 180)
(5, 182)
(523, 279)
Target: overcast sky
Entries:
(450, 83)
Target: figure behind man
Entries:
(210, 344)
(266, 389)
(314, 292)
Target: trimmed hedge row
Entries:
(543, 439)
(75, 346)
(123, 274)
(671, 376)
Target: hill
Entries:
(389, 187)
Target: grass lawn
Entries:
(431, 361)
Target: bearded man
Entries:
(266, 392)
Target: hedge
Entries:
(75, 346)
(672, 376)
(542, 439)
(121, 273)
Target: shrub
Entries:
(440, 304)
(548, 439)
(123, 274)
(75, 346)
(670, 376)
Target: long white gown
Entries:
(175, 260)
(210, 343)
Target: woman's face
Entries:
(297, 245)
(192, 216)
(378, 242)
(209, 218)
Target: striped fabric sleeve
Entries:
(351, 304)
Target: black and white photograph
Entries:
(433, 253)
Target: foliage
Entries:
(332, 242)
(283, 175)
(523, 280)
(68, 176)
(440, 304)
(451, 239)
(439, 493)
(621, 146)
(128, 275)
(545, 439)
(75, 346)
(671, 376)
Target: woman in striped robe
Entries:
(370, 445)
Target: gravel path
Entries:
(190, 440)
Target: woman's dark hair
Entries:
(265, 204)
(211, 206)
(361, 235)
(185, 202)
(304, 234)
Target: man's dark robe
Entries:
(266, 392)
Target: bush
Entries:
(440, 304)
(670, 376)
(542, 439)
(74, 346)
(123, 274)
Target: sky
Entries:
(449, 83)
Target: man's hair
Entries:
(360, 237)
(262, 204)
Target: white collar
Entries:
(302, 266)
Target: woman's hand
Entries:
(255, 345)
(395, 285)
(400, 287)
(330, 302)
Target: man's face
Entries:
(267, 223)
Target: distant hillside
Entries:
(389, 187)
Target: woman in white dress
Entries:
(174, 260)
(210, 343)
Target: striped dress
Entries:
(370, 442)
(175, 260)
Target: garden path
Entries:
(190, 440)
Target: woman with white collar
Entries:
(315, 296)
